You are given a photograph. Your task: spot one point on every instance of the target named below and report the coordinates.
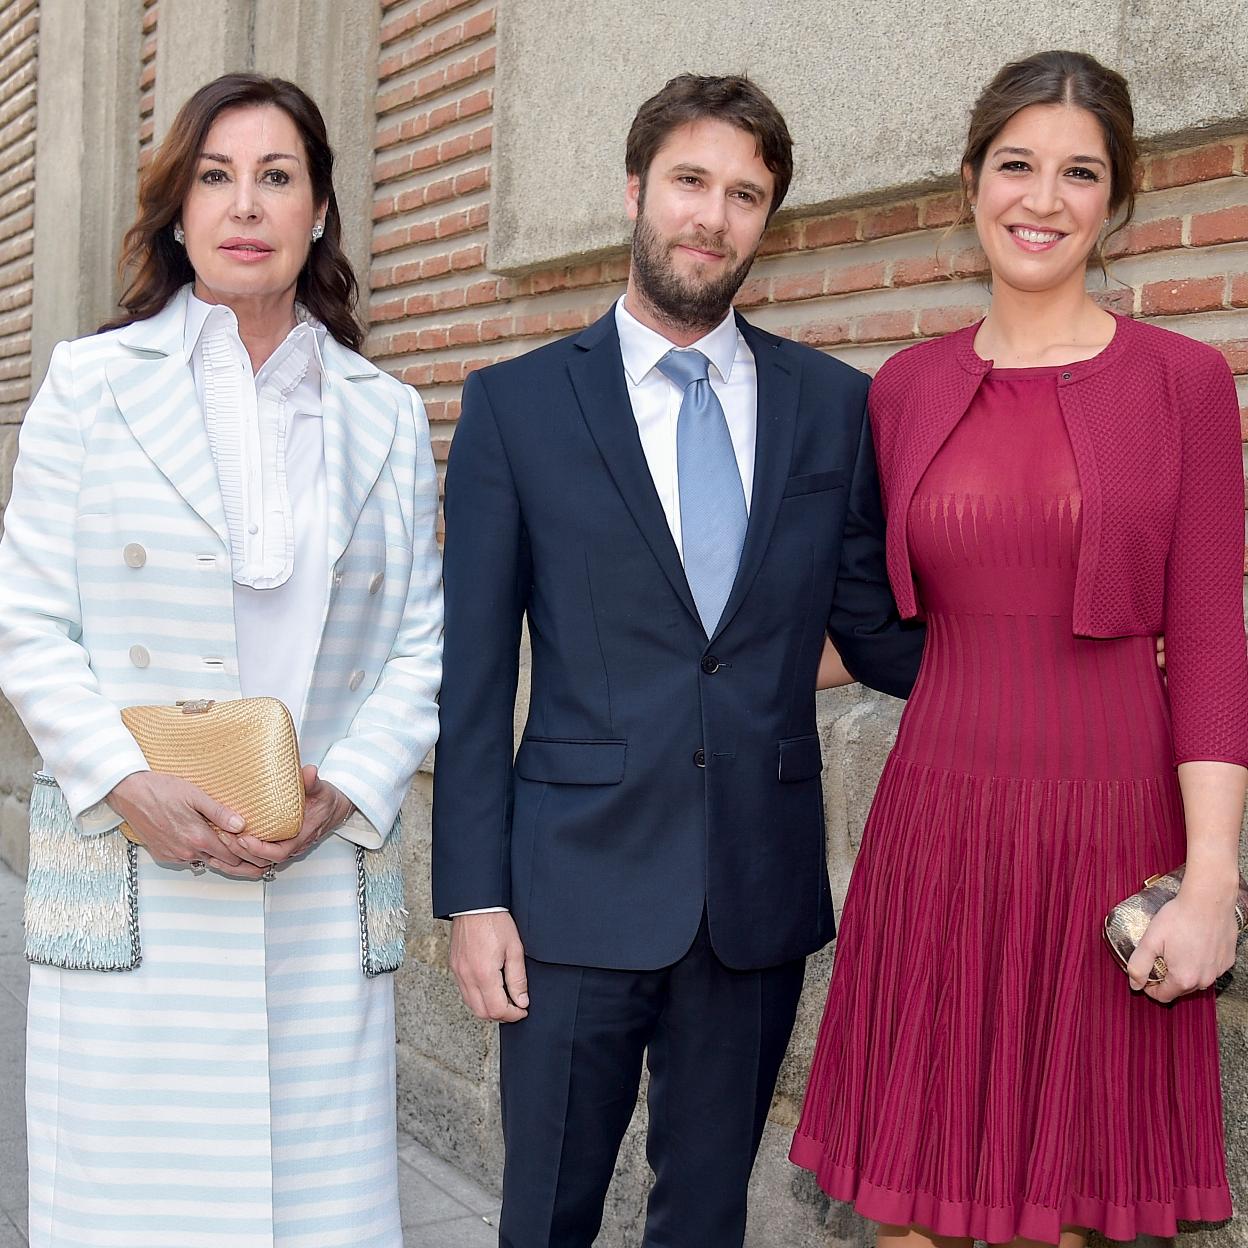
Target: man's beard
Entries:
(683, 303)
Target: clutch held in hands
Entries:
(1127, 922)
(242, 752)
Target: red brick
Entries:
(452, 223)
(483, 139)
(1191, 294)
(616, 270)
(533, 323)
(437, 191)
(495, 328)
(422, 231)
(918, 270)
(585, 275)
(454, 148)
(419, 305)
(435, 266)
(568, 320)
(856, 277)
(443, 115)
(441, 446)
(969, 262)
(882, 326)
(831, 231)
(940, 210)
(897, 219)
(1146, 236)
(753, 292)
(1120, 299)
(481, 292)
(480, 24)
(391, 310)
(473, 180)
(1243, 428)
(781, 238)
(1239, 291)
(418, 375)
(826, 333)
(933, 321)
(447, 370)
(462, 335)
(468, 257)
(547, 280)
(799, 286)
(432, 339)
(1236, 353)
(450, 300)
(1201, 164)
(477, 102)
(1230, 225)
(389, 241)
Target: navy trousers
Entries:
(713, 1039)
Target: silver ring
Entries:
(270, 874)
(197, 867)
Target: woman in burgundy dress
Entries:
(1061, 485)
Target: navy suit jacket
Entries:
(661, 772)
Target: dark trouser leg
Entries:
(713, 1059)
(570, 1073)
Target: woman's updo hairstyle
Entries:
(1071, 78)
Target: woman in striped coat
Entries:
(218, 497)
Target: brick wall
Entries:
(147, 82)
(858, 284)
(19, 45)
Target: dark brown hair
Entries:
(157, 265)
(693, 97)
(1071, 78)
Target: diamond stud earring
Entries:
(318, 231)
(179, 235)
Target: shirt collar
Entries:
(200, 315)
(642, 348)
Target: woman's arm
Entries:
(1207, 682)
(832, 670)
(1195, 933)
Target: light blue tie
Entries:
(712, 502)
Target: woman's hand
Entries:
(179, 823)
(325, 808)
(1195, 934)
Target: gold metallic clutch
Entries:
(1127, 922)
(243, 753)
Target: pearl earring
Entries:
(179, 235)
(318, 231)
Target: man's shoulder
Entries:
(535, 366)
(806, 359)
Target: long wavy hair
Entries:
(156, 265)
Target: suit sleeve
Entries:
(397, 724)
(487, 575)
(1206, 654)
(878, 648)
(44, 670)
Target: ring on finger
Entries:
(197, 866)
(1159, 972)
(269, 874)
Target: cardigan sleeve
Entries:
(44, 670)
(1206, 652)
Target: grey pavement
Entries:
(441, 1207)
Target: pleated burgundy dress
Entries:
(983, 1068)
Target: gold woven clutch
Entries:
(1127, 922)
(242, 752)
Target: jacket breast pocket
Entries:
(800, 759)
(559, 760)
(813, 483)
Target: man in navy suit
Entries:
(685, 508)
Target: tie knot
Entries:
(684, 367)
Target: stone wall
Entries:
(857, 267)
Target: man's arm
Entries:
(486, 584)
(876, 645)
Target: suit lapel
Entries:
(778, 391)
(155, 394)
(358, 415)
(597, 372)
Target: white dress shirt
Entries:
(656, 401)
(267, 443)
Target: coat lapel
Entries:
(155, 394)
(359, 415)
(597, 372)
(778, 390)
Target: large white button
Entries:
(134, 555)
(139, 656)
(375, 583)
(357, 679)
(253, 529)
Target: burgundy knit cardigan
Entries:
(1154, 424)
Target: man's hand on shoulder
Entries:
(487, 960)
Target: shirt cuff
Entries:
(485, 910)
(98, 819)
(360, 832)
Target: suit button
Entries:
(375, 582)
(699, 758)
(337, 577)
(134, 555)
(357, 679)
(139, 656)
(710, 665)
